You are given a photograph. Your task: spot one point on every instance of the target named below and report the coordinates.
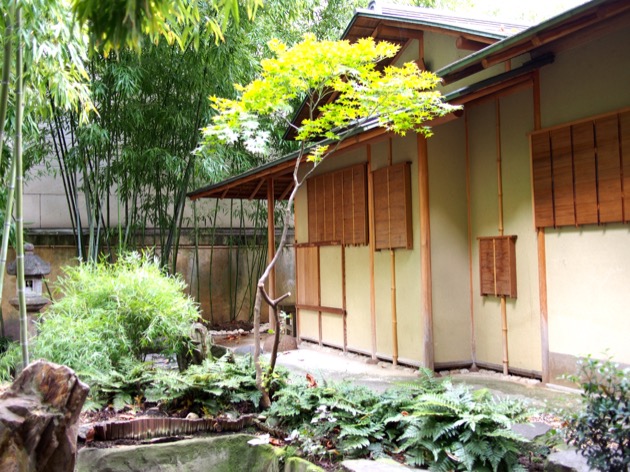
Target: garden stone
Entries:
(531, 431)
(216, 453)
(38, 419)
(567, 461)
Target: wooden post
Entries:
(343, 298)
(504, 327)
(473, 341)
(542, 254)
(319, 297)
(271, 245)
(394, 314)
(371, 250)
(425, 251)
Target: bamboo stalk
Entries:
(394, 314)
(504, 327)
(5, 236)
(4, 94)
(371, 251)
(19, 249)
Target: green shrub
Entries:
(110, 316)
(601, 429)
(429, 422)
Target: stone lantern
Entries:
(34, 271)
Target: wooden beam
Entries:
(284, 194)
(403, 48)
(587, 18)
(509, 86)
(371, 250)
(256, 189)
(542, 252)
(322, 309)
(425, 252)
(469, 44)
(271, 245)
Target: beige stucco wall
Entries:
(588, 268)
(523, 313)
(449, 243)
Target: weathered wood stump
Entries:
(39, 419)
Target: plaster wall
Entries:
(523, 314)
(449, 243)
(588, 271)
(408, 282)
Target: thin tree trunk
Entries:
(5, 236)
(4, 94)
(20, 191)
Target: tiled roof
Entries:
(446, 19)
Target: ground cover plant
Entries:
(428, 423)
(601, 429)
(109, 316)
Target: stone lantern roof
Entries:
(34, 266)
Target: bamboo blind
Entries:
(392, 207)
(581, 172)
(337, 207)
(497, 266)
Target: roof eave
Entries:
(522, 37)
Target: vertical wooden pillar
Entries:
(371, 250)
(425, 251)
(473, 339)
(343, 298)
(271, 244)
(542, 253)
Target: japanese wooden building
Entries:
(503, 240)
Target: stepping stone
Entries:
(567, 461)
(531, 431)
(380, 465)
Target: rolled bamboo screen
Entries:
(581, 172)
(392, 207)
(497, 266)
(337, 207)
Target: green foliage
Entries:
(118, 23)
(400, 98)
(432, 423)
(210, 387)
(601, 429)
(110, 316)
(10, 360)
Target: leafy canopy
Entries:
(118, 23)
(400, 98)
